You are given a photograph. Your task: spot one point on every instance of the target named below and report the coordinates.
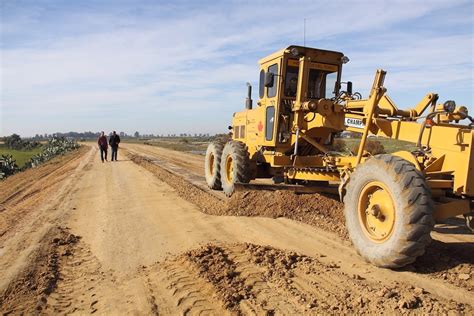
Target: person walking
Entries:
(114, 142)
(103, 146)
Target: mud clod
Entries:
(213, 263)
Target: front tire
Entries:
(235, 166)
(388, 209)
(212, 164)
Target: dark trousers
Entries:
(114, 153)
(103, 153)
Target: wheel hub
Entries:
(229, 168)
(211, 164)
(376, 211)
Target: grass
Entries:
(21, 156)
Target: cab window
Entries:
(291, 81)
(269, 122)
(321, 84)
(271, 91)
(331, 79)
(261, 87)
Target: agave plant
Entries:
(8, 166)
(55, 146)
(2, 174)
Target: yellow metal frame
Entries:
(451, 208)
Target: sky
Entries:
(182, 66)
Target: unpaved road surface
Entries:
(142, 235)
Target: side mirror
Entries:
(349, 87)
(269, 78)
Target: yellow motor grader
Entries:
(391, 201)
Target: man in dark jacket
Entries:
(102, 142)
(114, 142)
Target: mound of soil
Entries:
(313, 209)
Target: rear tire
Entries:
(388, 209)
(235, 166)
(212, 164)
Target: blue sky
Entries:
(172, 67)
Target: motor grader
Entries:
(391, 201)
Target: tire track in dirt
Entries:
(29, 292)
(174, 289)
(79, 280)
(253, 279)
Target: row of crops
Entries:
(56, 146)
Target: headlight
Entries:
(449, 106)
(345, 59)
(294, 51)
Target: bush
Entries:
(338, 145)
(8, 166)
(14, 141)
(373, 147)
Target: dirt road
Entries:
(129, 237)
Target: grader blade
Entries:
(241, 187)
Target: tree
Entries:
(136, 134)
(14, 141)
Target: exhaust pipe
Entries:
(248, 101)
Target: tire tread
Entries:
(418, 210)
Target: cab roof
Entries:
(300, 48)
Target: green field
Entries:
(21, 156)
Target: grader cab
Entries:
(391, 201)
